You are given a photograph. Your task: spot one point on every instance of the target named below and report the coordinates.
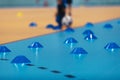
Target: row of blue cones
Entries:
(77, 51)
(107, 25)
(89, 35)
(88, 24)
(50, 26)
(110, 46)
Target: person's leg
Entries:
(69, 3)
(59, 21)
(70, 9)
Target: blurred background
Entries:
(52, 3)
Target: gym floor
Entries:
(27, 55)
(14, 22)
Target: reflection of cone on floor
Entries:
(19, 14)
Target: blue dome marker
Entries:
(50, 26)
(111, 46)
(70, 40)
(90, 37)
(78, 51)
(33, 24)
(57, 27)
(109, 26)
(69, 30)
(87, 32)
(35, 45)
(89, 24)
(20, 60)
(4, 49)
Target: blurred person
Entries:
(61, 12)
(69, 4)
(45, 4)
(37, 2)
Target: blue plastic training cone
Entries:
(70, 40)
(57, 27)
(35, 45)
(111, 46)
(69, 30)
(108, 26)
(87, 32)
(20, 60)
(89, 24)
(50, 26)
(33, 24)
(78, 51)
(4, 49)
(90, 37)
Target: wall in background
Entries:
(52, 3)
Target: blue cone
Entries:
(69, 30)
(4, 49)
(35, 45)
(70, 40)
(108, 26)
(90, 37)
(79, 51)
(33, 24)
(111, 46)
(57, 27)
(89, 24)
(87, 32)
(50, 26)
(20, 60)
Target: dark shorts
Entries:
(69, 1)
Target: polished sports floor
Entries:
(14, 22)
(56, 60)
